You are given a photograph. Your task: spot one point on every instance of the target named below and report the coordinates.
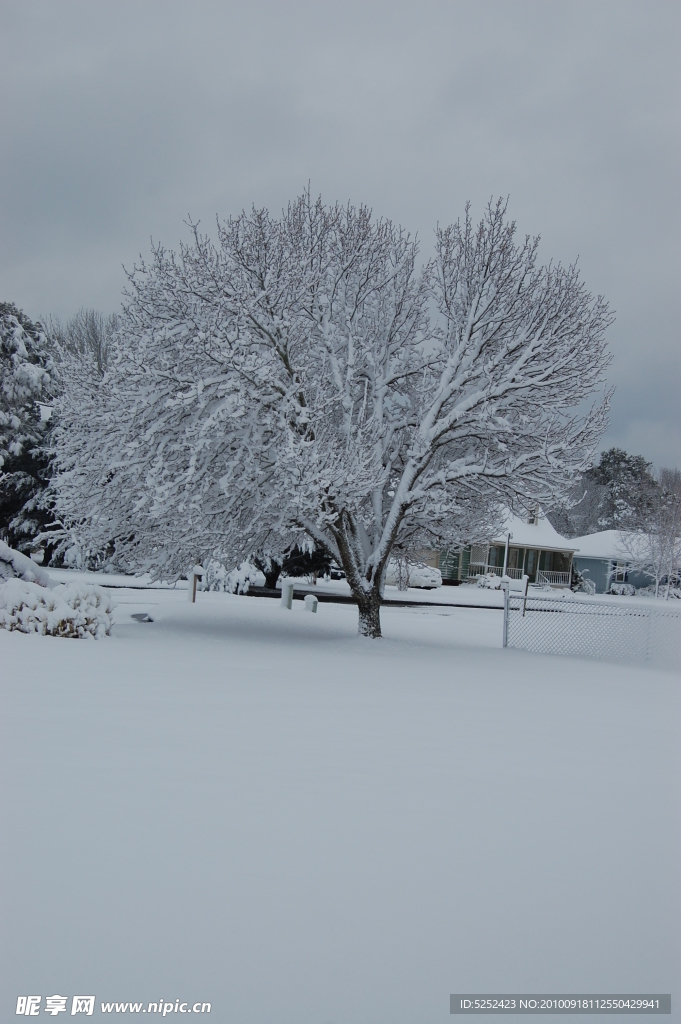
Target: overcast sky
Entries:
(119, 119)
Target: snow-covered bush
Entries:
(71, 611)
(14, 565)
(579, 582)
(236, 581)
(622, 589)
(649, 591)
(489, 581)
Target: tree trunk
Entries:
(366, 593)
(369, 606)
(272, 575)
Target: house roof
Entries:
(533, 535)
(606, 544)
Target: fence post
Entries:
(506, 588)
(526, 580)
(198, 572)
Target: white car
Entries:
(420, 575)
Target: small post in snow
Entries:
(287, 594)
(311, 603)
(526, 580)
(198, 572)
(506, 588)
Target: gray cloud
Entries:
(120, 119)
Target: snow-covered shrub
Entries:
(579, 582)
(489, 581)
(236, 581)
(216, 577)
(649, 591)
(14, 565)
(76, 610)
(73, 557)
(622, 589)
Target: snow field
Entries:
(257, 808)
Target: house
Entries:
(602, 559)
(522, 547)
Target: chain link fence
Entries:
(591, 629)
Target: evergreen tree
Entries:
(617, 494)
(628, 489)
(27, 381)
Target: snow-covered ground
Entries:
(253, 807)
(469, 595)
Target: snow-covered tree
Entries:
(303, 380)
(80, 348)
(618, 493)
(27, 383)
(655, 548)
(85, 336)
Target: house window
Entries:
(619, 572)
(496, 555)
(515, 558)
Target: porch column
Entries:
(508, 541)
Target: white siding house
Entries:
(522, 547)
